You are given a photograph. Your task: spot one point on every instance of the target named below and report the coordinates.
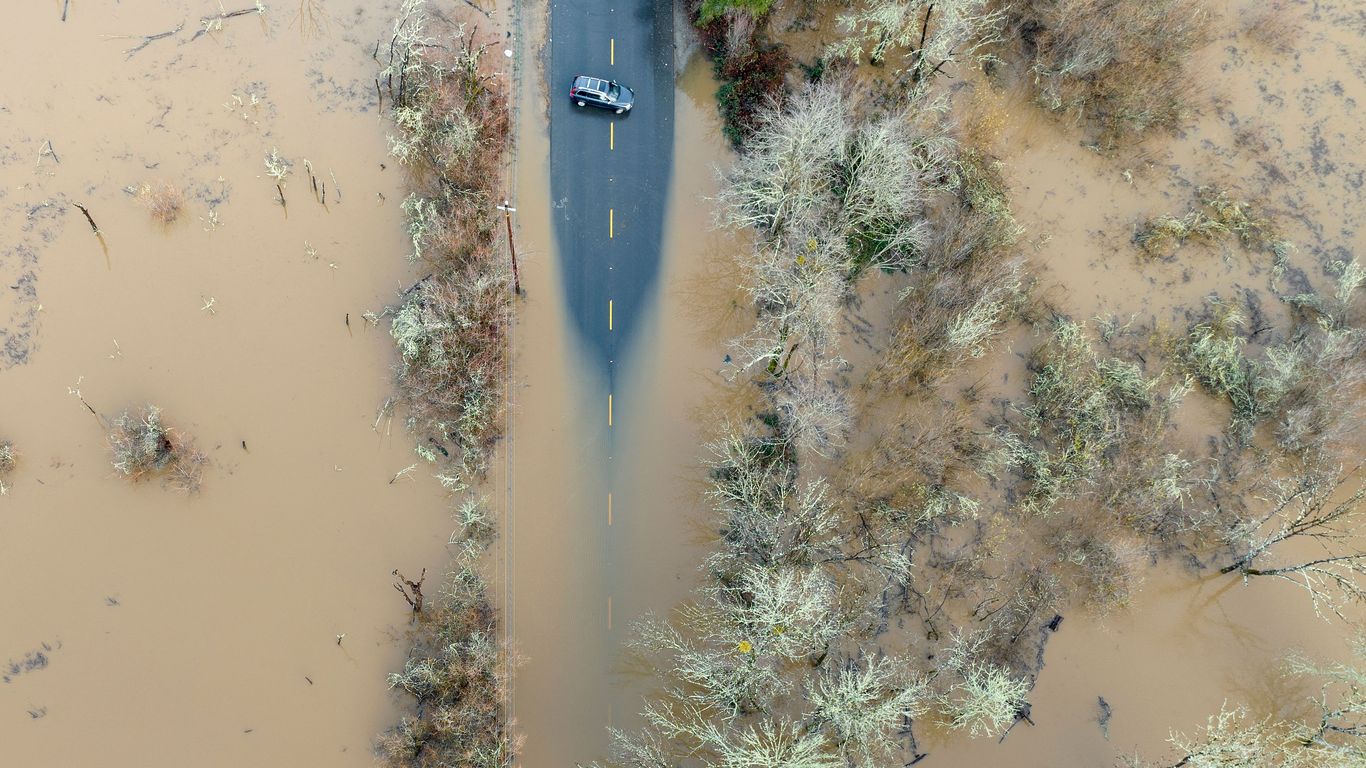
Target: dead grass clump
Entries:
(144, 446)
(1217, 217)
(163, 199)
(1119, 66)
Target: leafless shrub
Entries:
(452, 361)
(163, 199)
(1119, 66)
(1080, 406)
(910, 472)
(1310, 506)
(1217, 217)
(983, 697)
(1013, 609)
(1306, 387)
(144, 446)
(917, 39)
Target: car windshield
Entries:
(613, 91)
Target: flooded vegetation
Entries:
(1000, 400)
(451, 115)
(948, 457)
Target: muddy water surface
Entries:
(202, 628)
(1280, 129)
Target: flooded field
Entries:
(1276, 125)
(252, 623)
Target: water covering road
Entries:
(576, 557)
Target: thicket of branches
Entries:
(773, 662)
(1120, 68)
(451, 117)
(918, 40)
(456, 672)
(966, 286)
(832, 192)
(452, 128)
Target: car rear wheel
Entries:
(619, 111)
(580, 103)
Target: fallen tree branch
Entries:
(93, 226)
(214, 23)
(146, 39)
(471, 4)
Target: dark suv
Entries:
(595, 92)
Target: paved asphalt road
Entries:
(609, 173)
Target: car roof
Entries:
(594, 83)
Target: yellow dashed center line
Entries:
(609, 314)
(609, 410)
(611, 135)
(611, 222)
(609, 509)
(614, 52)
(609, 612)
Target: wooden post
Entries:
(507, 217)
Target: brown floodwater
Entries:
(147, 626)
(203, 628)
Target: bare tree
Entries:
(983, 698)
(918, 38)
(1340, 733)
(1230, 739)
(829, 195)
(863, 703)
(1304, 509)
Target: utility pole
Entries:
(507, 217)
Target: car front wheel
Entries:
(580, 103)
(619, 111)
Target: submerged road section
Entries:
(609, 173)
(609, 187)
